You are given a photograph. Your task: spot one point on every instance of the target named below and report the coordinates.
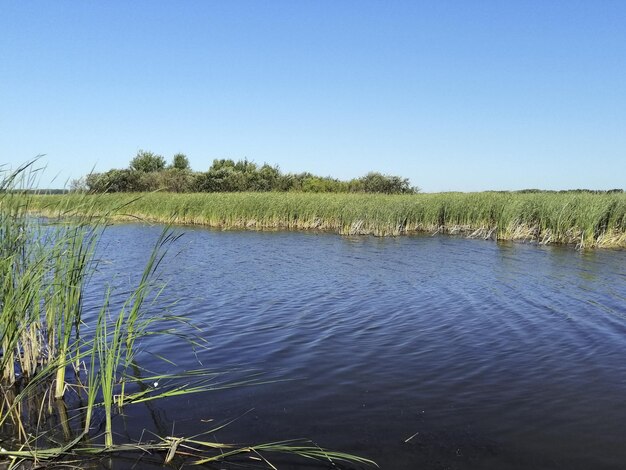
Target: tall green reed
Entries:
(586, 220)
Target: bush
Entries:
(114, 181)
(180, 162)
(147, 161)
(147, 172)
(171, 180)
(375, 182)
(224, 179)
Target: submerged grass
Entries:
(586, 220)
(56, 369)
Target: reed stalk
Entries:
(585, 220)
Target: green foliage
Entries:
(180, 162)
(147, 161)
(170, 180)
(583, 219)
(221, 179)
(147, 172)
(115, 181)
(315, 184)
(378, 183)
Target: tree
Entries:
(375, 182)
(218, 164)
(114, 181)
(147, 161)
(180, 162)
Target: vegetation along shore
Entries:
(242, 194)
(583, 219)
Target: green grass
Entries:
(583, 219)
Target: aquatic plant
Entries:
(583, 219)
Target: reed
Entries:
(72, 257)
(586, 220)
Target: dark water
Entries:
(417, 352)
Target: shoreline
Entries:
(580, 220)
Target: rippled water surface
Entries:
(417, 352)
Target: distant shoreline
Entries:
(582, 219)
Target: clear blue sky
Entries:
(455, 95)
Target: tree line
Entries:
(150, 172)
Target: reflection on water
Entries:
(417, 352)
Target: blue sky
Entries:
(461, 96)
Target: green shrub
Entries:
(147, 161)
(180, 162)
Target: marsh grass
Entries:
(585, 220)
(57, 371)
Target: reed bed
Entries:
(56, 369)
(585, 220)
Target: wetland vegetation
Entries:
(243, 194)
(583, 219)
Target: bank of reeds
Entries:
(59, 365)
(585, 220)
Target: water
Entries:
(417, 352)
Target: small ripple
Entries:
(518, 341)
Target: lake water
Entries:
(417, 352)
